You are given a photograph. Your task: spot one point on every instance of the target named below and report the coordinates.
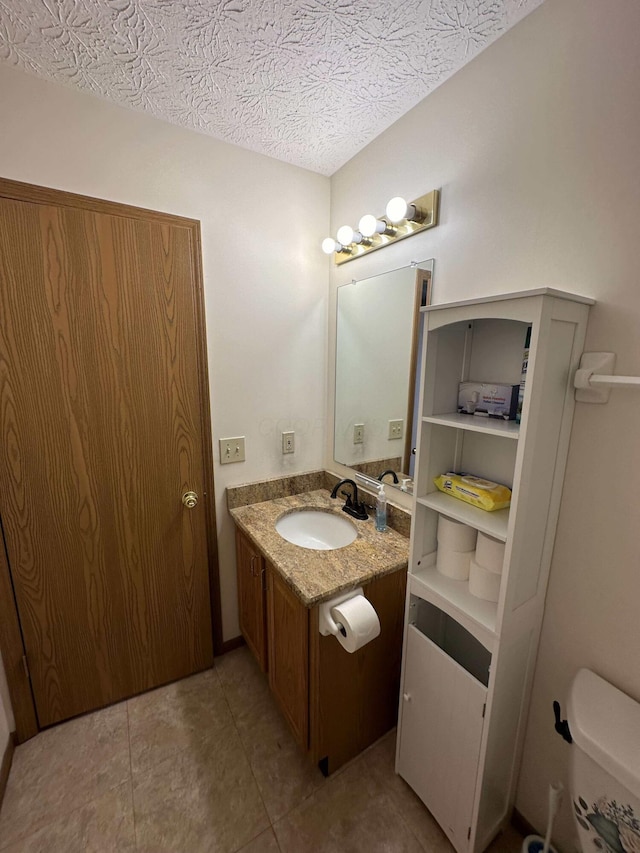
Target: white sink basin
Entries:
(316, 529)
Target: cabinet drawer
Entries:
(440, 734)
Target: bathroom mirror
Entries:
(377, 342)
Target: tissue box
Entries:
(488, 399)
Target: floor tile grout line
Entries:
(62, 816)
(284, 815)
(201, 740)
(200, 737)
(387, 788)
(71, 811)
(246, 755)
(399, 812)
(326, 781)
(272, 824)
(253, 775)
(133, 799)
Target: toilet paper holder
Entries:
(326, 623)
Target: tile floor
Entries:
(206, 764)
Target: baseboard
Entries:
(5, 766)
(230, 645)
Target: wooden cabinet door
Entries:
(288, 642)
(103, 430)
(251, 597)
(354, 697)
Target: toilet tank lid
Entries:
(605, 723)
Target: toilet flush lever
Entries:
(190, 499)
(562, 726)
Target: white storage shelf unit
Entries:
(483, 341)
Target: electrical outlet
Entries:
(288, 442)
(358, 433)
(231, 450)
(396, 429)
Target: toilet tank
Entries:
(605, 765)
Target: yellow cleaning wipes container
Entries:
(474, 490)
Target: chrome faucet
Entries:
(352, 506)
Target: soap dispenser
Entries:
(381, 509)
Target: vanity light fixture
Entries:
(402, 219)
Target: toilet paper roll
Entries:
(455, 536)
(453, 564)
(359, 623)
(484, 583)
(489, 553)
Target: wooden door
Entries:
(251, 597)
(102, 433)
(288, 645)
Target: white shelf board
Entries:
(492, 523)
(454, 598)
(473, 423)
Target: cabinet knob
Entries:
(406, 697)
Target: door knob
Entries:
(190, 499)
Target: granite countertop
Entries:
(318, 575)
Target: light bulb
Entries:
(329, 246)
(369, 225)
(347, 235)
(398, 209)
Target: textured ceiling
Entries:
(307, 81)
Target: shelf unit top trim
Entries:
(519, 294)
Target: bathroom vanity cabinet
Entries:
(468, 663)
(335, 703)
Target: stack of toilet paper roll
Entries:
(485, 571)
(456, 544)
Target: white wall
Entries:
(535, 147)
(265, 291)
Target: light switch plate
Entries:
(231, 450)
(396, 429)
(358, 433)
(288, 442)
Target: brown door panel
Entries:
(101, 431)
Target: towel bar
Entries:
(594, 378)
